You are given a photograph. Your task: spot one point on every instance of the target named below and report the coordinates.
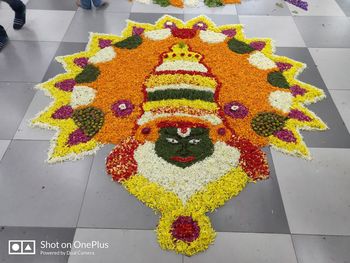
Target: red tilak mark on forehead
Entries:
(184, 130)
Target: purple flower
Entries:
(297, 90)
(298, 115)
(258, 45)
(102, 43)
(64, 112)
(285, 135)
(200, 26)
(81, 62)
(122, 108)
(236, 110)
(229, 32)
(299, 3)
(78, 136)
(137, 31)
(66, 85)
(283, 66)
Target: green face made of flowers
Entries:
(184, 146)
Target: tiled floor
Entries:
(301, 214)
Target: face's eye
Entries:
(194, 141)
(172, 140)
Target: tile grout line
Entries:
(22, 117)
(280, 191)
(82, 202)
(65, 33)
(295, 251)
(87, 183)
(7, 149)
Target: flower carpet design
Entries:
(189, 107)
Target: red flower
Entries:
(120, 163)
(184, 32)
(185, 228)
(252, 160)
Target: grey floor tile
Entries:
(324, 31)
(3, 147)
(51, 235)
(337, 136)
(267, 7)
(138, 7)
(6, 17)
(281, 29)
(247, 248)
(331, 63)
(119, 6)
(65, 48)
(26, 132)
(322, 249)
(318, 8)
(52, 5)
(316, 193)
(258, 208)
(40, 194)
(202, 9)
(14, 101)
(108, 205)
(217, 19)
(125, 246)
(86, 21)
(345, 6)
(20, 55)
(342, 101)
(43, 25)
(150, 18)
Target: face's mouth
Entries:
(180, 159)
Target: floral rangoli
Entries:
(189, 107)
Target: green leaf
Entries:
(162, 3)
(89, 74)
(213, 3)
(130, 42)
(267, 123)
(239, 46)
(277, 79)
(90, 120)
